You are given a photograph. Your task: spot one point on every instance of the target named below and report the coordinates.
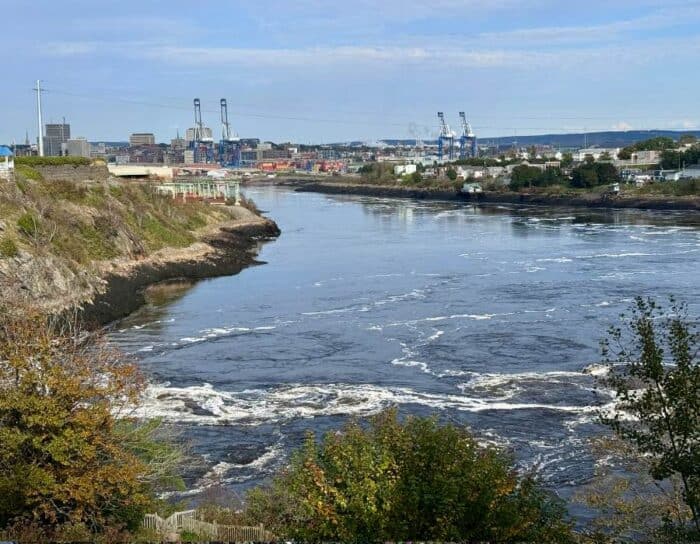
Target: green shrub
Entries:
(97, 245)
(8, 247)
(28, 224)
(27, 172)
(159, 234)
(410, 480)
(53, 161)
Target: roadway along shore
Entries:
(589, 200)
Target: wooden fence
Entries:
(187, 521)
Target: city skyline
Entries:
(311, 72)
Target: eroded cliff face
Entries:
(96, 244)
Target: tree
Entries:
(70, 452)
(451, 174)
(630, 504)
(607, 173)
(590, 174)
(584, 176)
(655, 374)
(688, 139)
(523, 176)
(605, 156)
(405, 480)
(567, 159)
(625, 153)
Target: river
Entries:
(488, 317)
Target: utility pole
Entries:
(39, 120)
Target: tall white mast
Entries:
(39, 120)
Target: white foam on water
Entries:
(616, 255)
(555, 260)
(192, 339)
(435, 336)
(217, 474)
(204, 405)
(597, 369)
(490, 381)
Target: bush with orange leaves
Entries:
(71, 452)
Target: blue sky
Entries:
(315, 71)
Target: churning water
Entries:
(487, 316)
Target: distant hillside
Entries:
(599, 139)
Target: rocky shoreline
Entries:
(587, 201)
(225, 252)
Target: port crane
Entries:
(445, 139)
(229, 146)
(467, 141)
(201, 144)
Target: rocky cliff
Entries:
(95, 244)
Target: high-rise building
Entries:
(142, 138)
(55, 139)
(78, 147)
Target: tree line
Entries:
(587, 175)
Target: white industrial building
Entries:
(596, 153)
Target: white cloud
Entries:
(660, 19)
(622, 125)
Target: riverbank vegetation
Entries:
(84, 222)
(406, 480)
(74, 463)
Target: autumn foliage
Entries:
(70, 453)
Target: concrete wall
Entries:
(73, 173)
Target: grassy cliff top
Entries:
(85, 222)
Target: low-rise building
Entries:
(646, 157)
(404, 169)
(596, 153)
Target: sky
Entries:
(314, 71)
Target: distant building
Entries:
(178, 143)
(98, 150)
(646, 157)
(142, 138)
(596, 153)
(404, 169)
(78, 147)
(206, 136)
(55, 139)
(275, 154)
